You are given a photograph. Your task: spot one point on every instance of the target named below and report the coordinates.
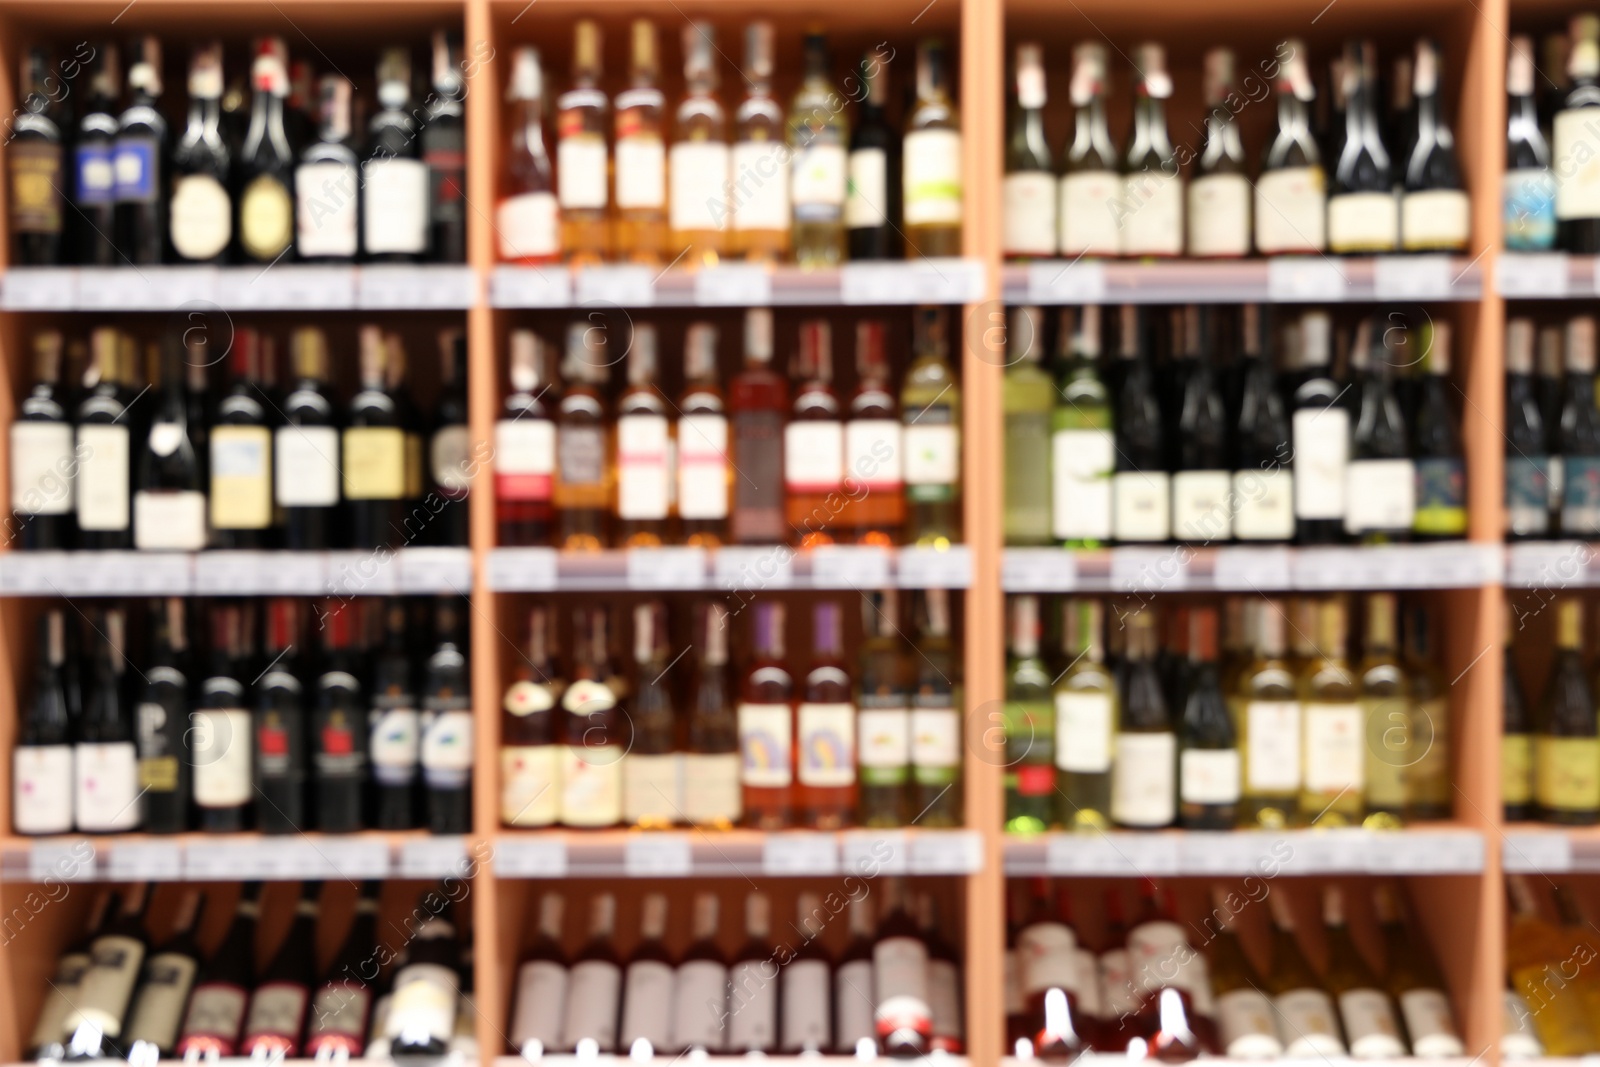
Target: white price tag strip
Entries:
(530, 858)
(530, 287)
(286, 288)
(374, 572)
(39, 289)
(223, 861)
(1305, 279)
(947, 852)
(132, 574)
(1537, 851)
(145, 861)
(623, 286)
(62, 860)
(514, 570)
(1241, 568)
(35, 573)
(1116, 853)
(433, 857)
(1067, 282)
(934, 568)
(1152, 570)
(748, 567)
(873, 283)
(733, 285)
(849, 567)
(799, 854)
(658, 856)
(945, 280)
(1038, 570)
(354, 857)
(670, 567)
(1546, 564)
(410, 288)
(302, 573)
(436, 570)
(869, 853)
(1219, 853)
(1412, 277)
(1541, 275)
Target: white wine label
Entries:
(827, 745)
(220, 741)
(711, 788)
(874, 446)
(1201, 510)
(103, 475)
(813, 456)
(764, 741)
(1264, 505)
(1143, 792)
(818, 180)
(42, 466)
(395, 740)
(1272, 746)
(1047, 958)
(1151, 214)
(1381, 494)
(884, 737)
(158, 1010)
(42, 784)
(702, 467)
(1116, 979)
(1089, 214)
(591, 785)
(900, 976)
(1159, 955)
(1081, 465)
(1369, 1025)
(1575, 146)
(593, 989)
(652, 788)
(446, 749)
(944, 999)
(107, 796)
(1333, 747)
(305, 467)
(1309, 1026)
(1029, 214)
(107, 986)
(1208, 776)
(699, 176)
(1321, 455)
(866, 201)
(426, 997)
(932, 453)
(760, 185)
(804, 996)
(1363, 223)
(935, 737)
(752, 1006)
(241, 477)
(641, 173)
(1219, 215)
(1429, 1024)
(524, 459)
(396, 216)
(1247, 1021)
(1142, 502)
(169, 521)
(647, 1004)
(644, 467)
(1084, 725)
(700, 1006)
(266, 218)
(1291, 211)
(58, 998)
(1435, 220)
(581, 171)
(528, 226)
(540, 1006)
(450, 459)
(326, 197)
(530, 785)
(853, 992)
(201, 220)
(931, 176)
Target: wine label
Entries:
(1435, 220)
(760, 193)
(42, 787)
(96, 174)
(827, 745)
(169, 520)
(35, 171)
(764, 741)
(1047, 958)
(866, 197)
(644, 467)
(1566, 773)
(884, 736)
(1141, 503)
(42, 466)
(1219, 215)
(374, 463)
(818, 180)
(1116, 978)
(103, 473)
(135, 161)
(1263, 503)
(1029, 219)
(266, 218)
(241, 477)
(158, 1009)
(581, 456)
(1159, 956)
(1576, 149)
(581, 171)
(326, 197)
(1208, 776)
(305, 466)
(1245, 1018)
(396, 217)
(1516, 768)
(1363, 223)
(872, 453)
(1370, 1027)
(641, 173)
(813, 456)
(1380, 494)
(854, 987)
(1528, 495)
(1143, 790)
(446, 750)
(425, 1002)
(1081, 463)
(647, 1004)
(931, 445)
(944, 1001)
(277, 1010)
(1309, 1024)
(1441, 497)
(1291, 211)
(935, 744)
(1580, 495)
(106, 987)
(1429, 1024)
(338, 1019)
(541, 1005)
(450, 460)
(106, 799)
(931, 178)
(1272, 746)
(1334, 748)
(524, 459)
(530, 785)
(699, 175)
(591, 785)
(529, 226)
(593, 987)
(700, 1006)
(1558, 482)
(652, 788)
(711, 788)
(806, 1026)
(702, 467)
(1528, 213)
(1151, 214)
(1321, 456)
(1089, 214)
(395, 744)
(900, 978)
(201, 220)
(58, 1000)
(1201, 510)
(1085, 723)
(216, 1011)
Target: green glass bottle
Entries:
(935, 720)
(1030, 742)
(930, 406)
(1082, 445)
(883, 721)
(1028, 397)
(1566, 750)
(1429, 792)
(1386, 709)
(1086, 717)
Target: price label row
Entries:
(1244, 852)
(280, 287)
(745, 567)
(370, 573)
(230, 859)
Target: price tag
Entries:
(1535, 564)
(1038, 570)
(870, 853)
(107, 289)
(514, 570)
(1425, 853)
(530, 858)
(224, 861)
(286, 287)
(1242, 569)
(622, 285)
(352, 857)
(1413, 277)
(1540, 275)
(798, 854)
(39, 289)
(1326, 568)
(1228, 852)
(674, 567)
(1117, 853)
(1341, 850)
(62, 859)
(1461, 565)
(935, 568)
(1149, 569)
(947, 852)
(146, 861)
(754, 568)
(1067, 282)
(530, 287)
(135, 574)
(733, 285)
(402, 288)
(301, 573)
(436, 570)
(1305, 279)
(374, 572)
(1537, 851)
(658, 856)
(35, 573)
(433, 857)
(944, 280)
(849, 567)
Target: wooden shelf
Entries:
(748, 568)
(377, 572)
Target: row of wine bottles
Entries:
(869, 734)
(1549, 999)
(112, 182)
(248, 713)
(1552, 430)
(895, 988)
(117, 993)
(1391, 182)
(1192, 434)
(1172, 733)
(1176, 990)
(1550, 752)
(799, 185)
(103, 462)
(759, 463)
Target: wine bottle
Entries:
(536, 1014)
(266, 213)
(1248, 1020)
(931, 174)
(343, 998)
(641, 159)
(1527, 454)
(1291, 193)
(1086, 719)
(444, 152)
(47, 1042)
(1386, 700)
(451, 463)
(1027, 402)
(1516, 735)
(1140, 490)
(813, 442)
(33, 167)
(1219, 197)
(1381, 479)
(805, 984)
(593, 745)
(305, 447)
(652, 772)
(446, 724)
(1435, 215)
(818, 133)
(758, 402)
(1048, 977)
(394, 181)
(1030, 748)
(854, 988)
(825, 724)
(282, 733)
(647, 983)
(1333, 726)
(700, 985)
(201, 213)
(42, 773)
(211, 1025)
(1533, 946)
(102, 449)
(169, 505)
(94, 1026)
(162, 721)
(1362, 209)
(1371, 1029)
(883, 723)
(752, 991)
(759, 205)
(873, 189)
(219, 728)
(1029, 211)
(1307, 1013)
(1267, 711)
(1144, 751)
(530, 763)
(1151, 210)
(1263, 483)
(422, 1016)
(699, 159)
(373, 462)
(241, 450)
(766, 724)
(394, 730)
(902, 1014)
(326, 190)
(527, 220)
(164, 986)
(1415, 984)
(105, 761)
(1320, 435)
(712, 792)
(930, 408)
(525, 446)
(339, 725)
(1208, 757)
(43, 461)
(94, 170)
(1441, 496)
(644, 449)
(1169, 975)
(581, 157)
(1082, 442)
(1577, 187)
(594, 982)
(1578, 441)
(276, 1018)
(948, 1032)
(1201, 510)
(1090, 187)
(1566, 760)
(1528, 190)
(583, 484)
(703, 471)
(936, 792)
(138, 159)
(873, 448)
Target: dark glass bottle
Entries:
(46, 1042)
(140, 161)
(41, 769)
(305, 449)
(103, 449)
(220, 726)
(1263, 484)
(1436, 445)
(394, 182)
(1381, 504)
(42, 458)
(373, 462)
(444, 153)
(339, 723)
(1201, 511)
(1529, 213)
(1362, 213)
(1144, 753)
(94, 172)
(422, 1015)
(1578, 438)
(1567, 746)
(447, 753)
(200, 216)
(276, 1018)
(33, 167)
(450, 461)
(1577, 210)
(163, 720)
(872, 191)
(343, 1001)
(326, 186)
(393, 735)
(281, 731)
(1291, 201)
(265, 221)
(93, 1028)
(169, 507)
(164, 986)
(1208, 756)
(1527, 443)
(215, 1018)
(105, 759)
(1320, 427)
(1141, 495)
(1435, 215)
(1516, 736)
(241, 451)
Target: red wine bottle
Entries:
(41, 799)
(164, 988)
(343, 1001)
(280, 725)
(216, 1007)
(393, 726)
(220, 728)
(422, 1016)
(163, 720)
(447, 726)
(277, 1016)
(339, 725)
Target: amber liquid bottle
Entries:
(581, 163)
(813, 444)
(582, 493)
(758, 398)
(703, 470)
(766, 725)
(827, 727)
(644, 450)
(641, 156)
(872, 447)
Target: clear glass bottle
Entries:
(1027, 401)
(759, 193)
(699, 171)
(582, 164)
(930, 407)
(1029, 211)
(1086, 719)
(1333, 726)
(640, 212)
(527, 219)
(932, 165)
(818, 134)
